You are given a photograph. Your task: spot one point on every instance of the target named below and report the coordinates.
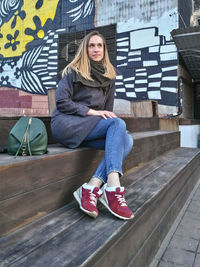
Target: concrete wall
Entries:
(187, 94)
(189, 135)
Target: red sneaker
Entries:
(87, 199)
(114, 201)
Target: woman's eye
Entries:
(99, 45)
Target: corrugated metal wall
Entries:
(185, 13)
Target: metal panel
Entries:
(187, 42)
(185, 12)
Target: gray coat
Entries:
(70, 123)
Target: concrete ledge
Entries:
(188, 122)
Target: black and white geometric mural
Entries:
(146, 59)
(147, 66)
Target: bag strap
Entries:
(25, 139)
(28, 140)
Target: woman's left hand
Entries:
(103, 113)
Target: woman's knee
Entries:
(119, 123)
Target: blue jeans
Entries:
(112, 136)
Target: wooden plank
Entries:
(51, 100)
(169, 124)
(44, 229)
(34, 235)
(188, 122)
(41, 170)
(5, 127)
(42, 180)
(162, 211)
(147, 108)
(35, 173)
(29, 206)
(140, 158)
(152, 244)
(149, 197)
(47, 122)
(140, 124)
(23, 209)
(133, 124)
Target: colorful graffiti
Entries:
(29, 39)
(146, 56)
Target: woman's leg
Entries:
(101, 170)
(109, 134)
(117, 144)
(116, 153)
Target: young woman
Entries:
(84, 117)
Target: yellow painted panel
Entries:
(47, 11)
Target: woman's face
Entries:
(95, 48)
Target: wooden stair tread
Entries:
(57, 149)
(151, 166)
(32, 187)
(133, 125)
(80, 235)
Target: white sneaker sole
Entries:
(102, 199)
(76, 194)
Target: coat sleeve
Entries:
(64, 101)
(110, 100)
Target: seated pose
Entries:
(84, 117)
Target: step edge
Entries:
(122, 226)
(30, 159)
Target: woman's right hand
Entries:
(103, 113)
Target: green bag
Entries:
(28, 137)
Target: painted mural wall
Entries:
(29, 48)
(146, 56)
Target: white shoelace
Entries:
(93, 198)
(121, 200)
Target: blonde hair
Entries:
(81, 62)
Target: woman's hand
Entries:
(103, 113)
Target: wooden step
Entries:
(156, 192)
(133, 125)
(32, 187)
